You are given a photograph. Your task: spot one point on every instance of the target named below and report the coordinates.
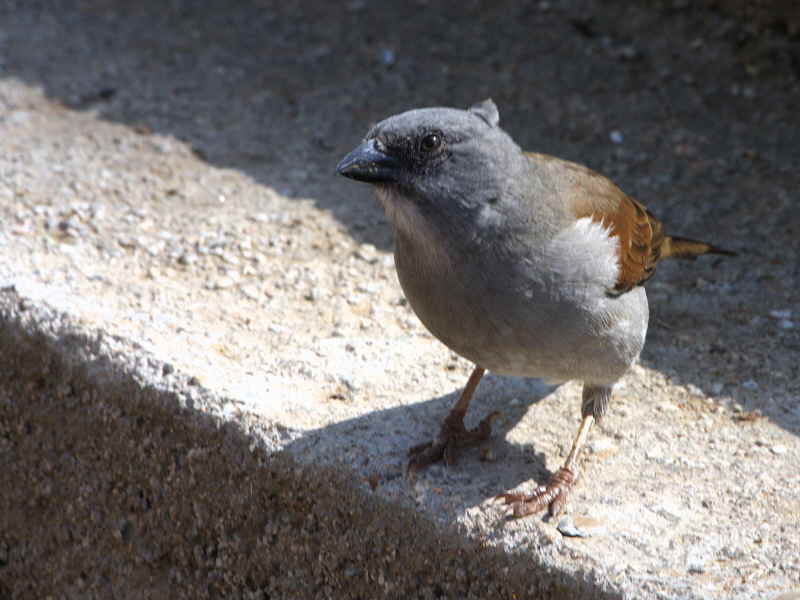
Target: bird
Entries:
(522, 263)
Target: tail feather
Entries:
(686, 248)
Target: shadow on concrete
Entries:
(376, 444)
(111, 487)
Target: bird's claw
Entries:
(552, 496)
(452, 437)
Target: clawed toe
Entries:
(423, 455)
(452, 438)
(552, 496)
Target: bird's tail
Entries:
(680, 247)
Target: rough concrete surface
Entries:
(186, 289)
(114, 488)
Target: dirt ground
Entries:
(166, 181)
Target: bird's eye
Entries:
(431, 142)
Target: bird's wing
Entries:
(639, 234)
(641, 239)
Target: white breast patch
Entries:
(585, 254)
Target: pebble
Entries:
(127, 242)
(779, 449)
(616, 136)
(421, 490)
(367, 288)
(568, 528)
(628, 53)
(601, 445)
(220, 283)
(784, 313)
(695, 561)
(654, 454)
(19, 116)
(316, 293)
(388, 56)
(750, 385)
(230, 258)
(187, 258)
(694, 390)
(250, 291)
(367, 253)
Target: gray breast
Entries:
(541, 312)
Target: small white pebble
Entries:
(600, 445)
(387, 56)
(367, 253)
(616, 136)
(250, 291)
(779, 449)
(694, 390)
(783, 313)
(750, 385)
(566, 526)
(654, 454)
(220, 283)
(367, 288)
(696, 559)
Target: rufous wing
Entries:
(641, 239)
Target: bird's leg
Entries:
(554, 494)
(453, 435)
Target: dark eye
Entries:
(431, 142)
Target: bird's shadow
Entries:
(376, 446)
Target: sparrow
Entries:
(522, 263)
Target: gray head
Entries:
(443, 160)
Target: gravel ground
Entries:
(166, 181)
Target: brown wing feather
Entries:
(640, 235)
(642, 242)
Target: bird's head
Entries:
(444, 161)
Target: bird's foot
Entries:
(452, 437)
(552, 496)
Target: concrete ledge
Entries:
(114, 488)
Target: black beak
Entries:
(369, 163)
